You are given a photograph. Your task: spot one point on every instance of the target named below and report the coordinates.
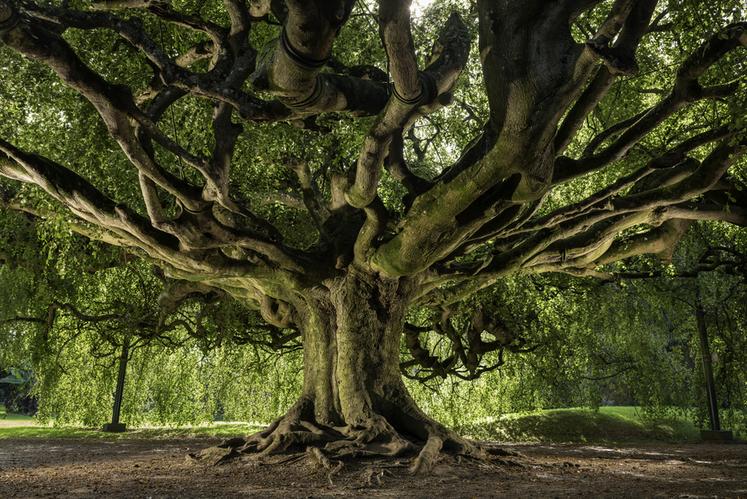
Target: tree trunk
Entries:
(354, 366)
(354, 402)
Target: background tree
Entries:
(277, 190)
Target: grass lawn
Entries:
(608, 424)
(20, 426)
(572, 425)
(6, 417)
(216, 430)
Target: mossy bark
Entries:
(354, 402)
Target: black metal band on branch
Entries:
(407, 102)
(10, 15)
(312, 99)
(297, 57)
(428, 91)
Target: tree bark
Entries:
(705, 354)
(354, 402)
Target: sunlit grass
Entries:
(608, 424)
(207, 431)
(571, 425)
(12, 417)
(21, 426)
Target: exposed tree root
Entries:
(317, 458)
(326, 447)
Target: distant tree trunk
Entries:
(705, 353)
(115, 426)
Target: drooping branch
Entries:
(468, 353)
(80, 227)
(114, 103)
(197, 228)
(89, 204)
(83, 199)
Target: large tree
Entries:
(558, 177)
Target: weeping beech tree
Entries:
(387, 236)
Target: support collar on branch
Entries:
(297, 57)
(428, 91)
(9, 17)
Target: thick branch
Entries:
(431, 92)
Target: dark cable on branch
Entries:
(312, 99)
(428, 91)
(9, 17)
(298, 57)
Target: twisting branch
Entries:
(669, 168)
(467, 355)
(509, 167)
(114, 104)
(652, 207)
(686, 89)
(414, 93)
(619, 59)
(291, 68)
(577, 243)
(118, 110)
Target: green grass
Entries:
(22, 426)
(6, 416)
(576, 425)
(607, 425)
(217, 430)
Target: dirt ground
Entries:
(159, 468)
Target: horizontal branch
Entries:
(89, 204)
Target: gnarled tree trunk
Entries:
(354, 402)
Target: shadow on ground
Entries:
(159, 468)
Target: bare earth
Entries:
(159, 468)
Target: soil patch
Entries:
(74, 467)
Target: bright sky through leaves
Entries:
(418, 6)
